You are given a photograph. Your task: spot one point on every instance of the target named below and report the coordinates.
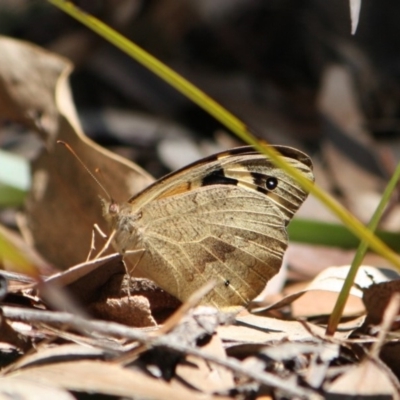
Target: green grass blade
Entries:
(362, 249)
(14, 258)
(334, 235)
(225, 117)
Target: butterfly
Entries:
(223, 217)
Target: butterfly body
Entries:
(223, 217)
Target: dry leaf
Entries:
(306, 261)
(123, 294)
(339, 103)
(345, 129)
(74, 274)
(28, 78)
(25, 389)
(104, 378)
(206, 377)
(376, 297)
(101, 288)
(390, 355)
(11, 336)
(63, 204)
(47, 354)
(132, 311)
(326, 351)
(257, 329)
(317, 354)
(362, 190)
(368, 379)
(320, 302)
(331, 280)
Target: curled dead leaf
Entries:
(63, 204)
(329, 280)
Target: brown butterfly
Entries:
(222, 217)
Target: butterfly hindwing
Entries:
(230, 235)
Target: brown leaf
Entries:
(318, 353)
(307, 305)
(133, 311)
(362, 189)
(104, 378)
(376, 297)
(63, 204)
(206, 377)
(81, 275)
(28, 78)
(331, 280)
(346, 123)
(103, 290)
(390, 355)
(132, 301)
(12, 337)
(306, 261)
(47, 354)
(76, 289)
(24, 389)
(256, 329)
(367, 379)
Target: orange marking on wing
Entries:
(181, 188)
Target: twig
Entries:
(170, 323)
(115, 329)
(190, 303)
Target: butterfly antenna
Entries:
(87, 169)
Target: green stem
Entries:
(362, 249)
(228, 119)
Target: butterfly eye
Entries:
(113, 208)
(271, 183)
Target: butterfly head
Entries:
(122, 223)
(111, 209)
(116, 214)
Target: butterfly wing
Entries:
(227, 234)
(223, 218)
(240, 166)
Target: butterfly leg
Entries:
(127, 272)
(106, 246)
(95, 229)
(128, 275)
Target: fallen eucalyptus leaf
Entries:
(331, 279)
(63, 204)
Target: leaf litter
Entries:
(77, 332)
